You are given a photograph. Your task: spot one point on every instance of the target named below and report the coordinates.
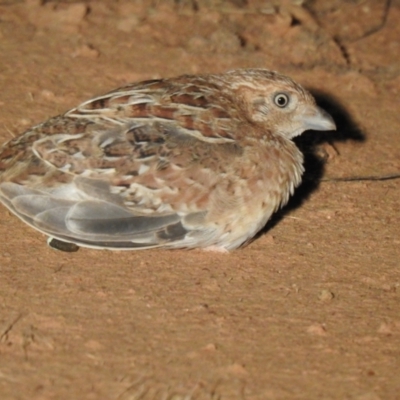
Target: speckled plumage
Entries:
(193, 161)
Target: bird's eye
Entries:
(281, 100)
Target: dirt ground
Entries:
(309, 310)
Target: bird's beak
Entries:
(316, 119)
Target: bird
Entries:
(194, 161)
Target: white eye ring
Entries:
(281, 100)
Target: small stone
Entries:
(237, 369)
(128, 24)
(326, 295)
(210, 347)
(386, 329)
(47, 94)
(268, 238)
(86, 51)
(317, 329)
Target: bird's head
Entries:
(277, 102)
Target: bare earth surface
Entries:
(309, 310)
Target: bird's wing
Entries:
(138, 173)
(194, 105)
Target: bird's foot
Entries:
(62, 246)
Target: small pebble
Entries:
(326, 295)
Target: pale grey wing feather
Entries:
(9, 190)
(98, 217)
(52, 220)
(33, 204)
(90, 222)
(43, 211)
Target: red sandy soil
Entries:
(309, 310)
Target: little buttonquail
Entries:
(196, 161)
